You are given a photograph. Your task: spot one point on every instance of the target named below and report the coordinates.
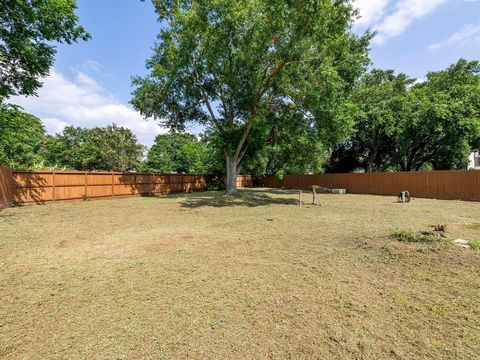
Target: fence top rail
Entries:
(393, 173)
(79, 172)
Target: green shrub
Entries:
(410, 236)
(280, 174)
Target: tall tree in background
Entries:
(28, 29)
(21, 138)
(177, 152)
(111, 148)
(401, 126)
(229, 64)
(444, 122)
(381, 111)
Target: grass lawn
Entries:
(202, 276)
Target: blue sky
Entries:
(90, 84)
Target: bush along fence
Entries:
(450, 185)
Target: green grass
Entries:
(474, 244)
(475, 226)
(415, 237)
(255, 276)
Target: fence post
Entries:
(86, 184)
(113, 185)
(53, 186)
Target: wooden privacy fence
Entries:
(245, 181)
(45, 186)
(462, 185)
(6, 196)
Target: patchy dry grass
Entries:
(475, 226)
(411, 236)
(203, 276)
(474, 244)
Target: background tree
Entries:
(401, 126)
(27, 32)
(229, 64)
(381, 101)
(177, 153)
(111, 148)
(444, 122)
(21, 138)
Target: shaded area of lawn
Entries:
(254, 276)
(245, 198)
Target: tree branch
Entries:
(197, 83)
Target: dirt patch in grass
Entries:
(255, 276)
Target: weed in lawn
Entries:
(475, 226)
(474, 244)
(410, 236)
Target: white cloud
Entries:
(370, 11)
(84, 102)
(468, 34)
(54, 125)
(94, 65)
(88, 82)
(405, 12)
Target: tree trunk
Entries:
(371, 160)
(231, 175)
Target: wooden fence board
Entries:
(46, 186)
(6, 194)
(461, 185)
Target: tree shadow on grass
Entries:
(248, 198)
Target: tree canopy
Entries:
(177, 153)
(28, 32)
(380, 100)
(111, 148)
(444, 122)
(405, 126)
(230, 64)
(21, 138)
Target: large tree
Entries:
(228, 64)
(177, 152)
(28, 31)
(444, 121)
(111, 148)
(400, 126)
(381, 110)
(21, 138)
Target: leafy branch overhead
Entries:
(28, 30)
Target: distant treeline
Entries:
(397, 124)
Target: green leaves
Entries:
(27, 33)
(177, 152)
(229, 64)
(401, 126)
(21, 138)
(110, 148)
